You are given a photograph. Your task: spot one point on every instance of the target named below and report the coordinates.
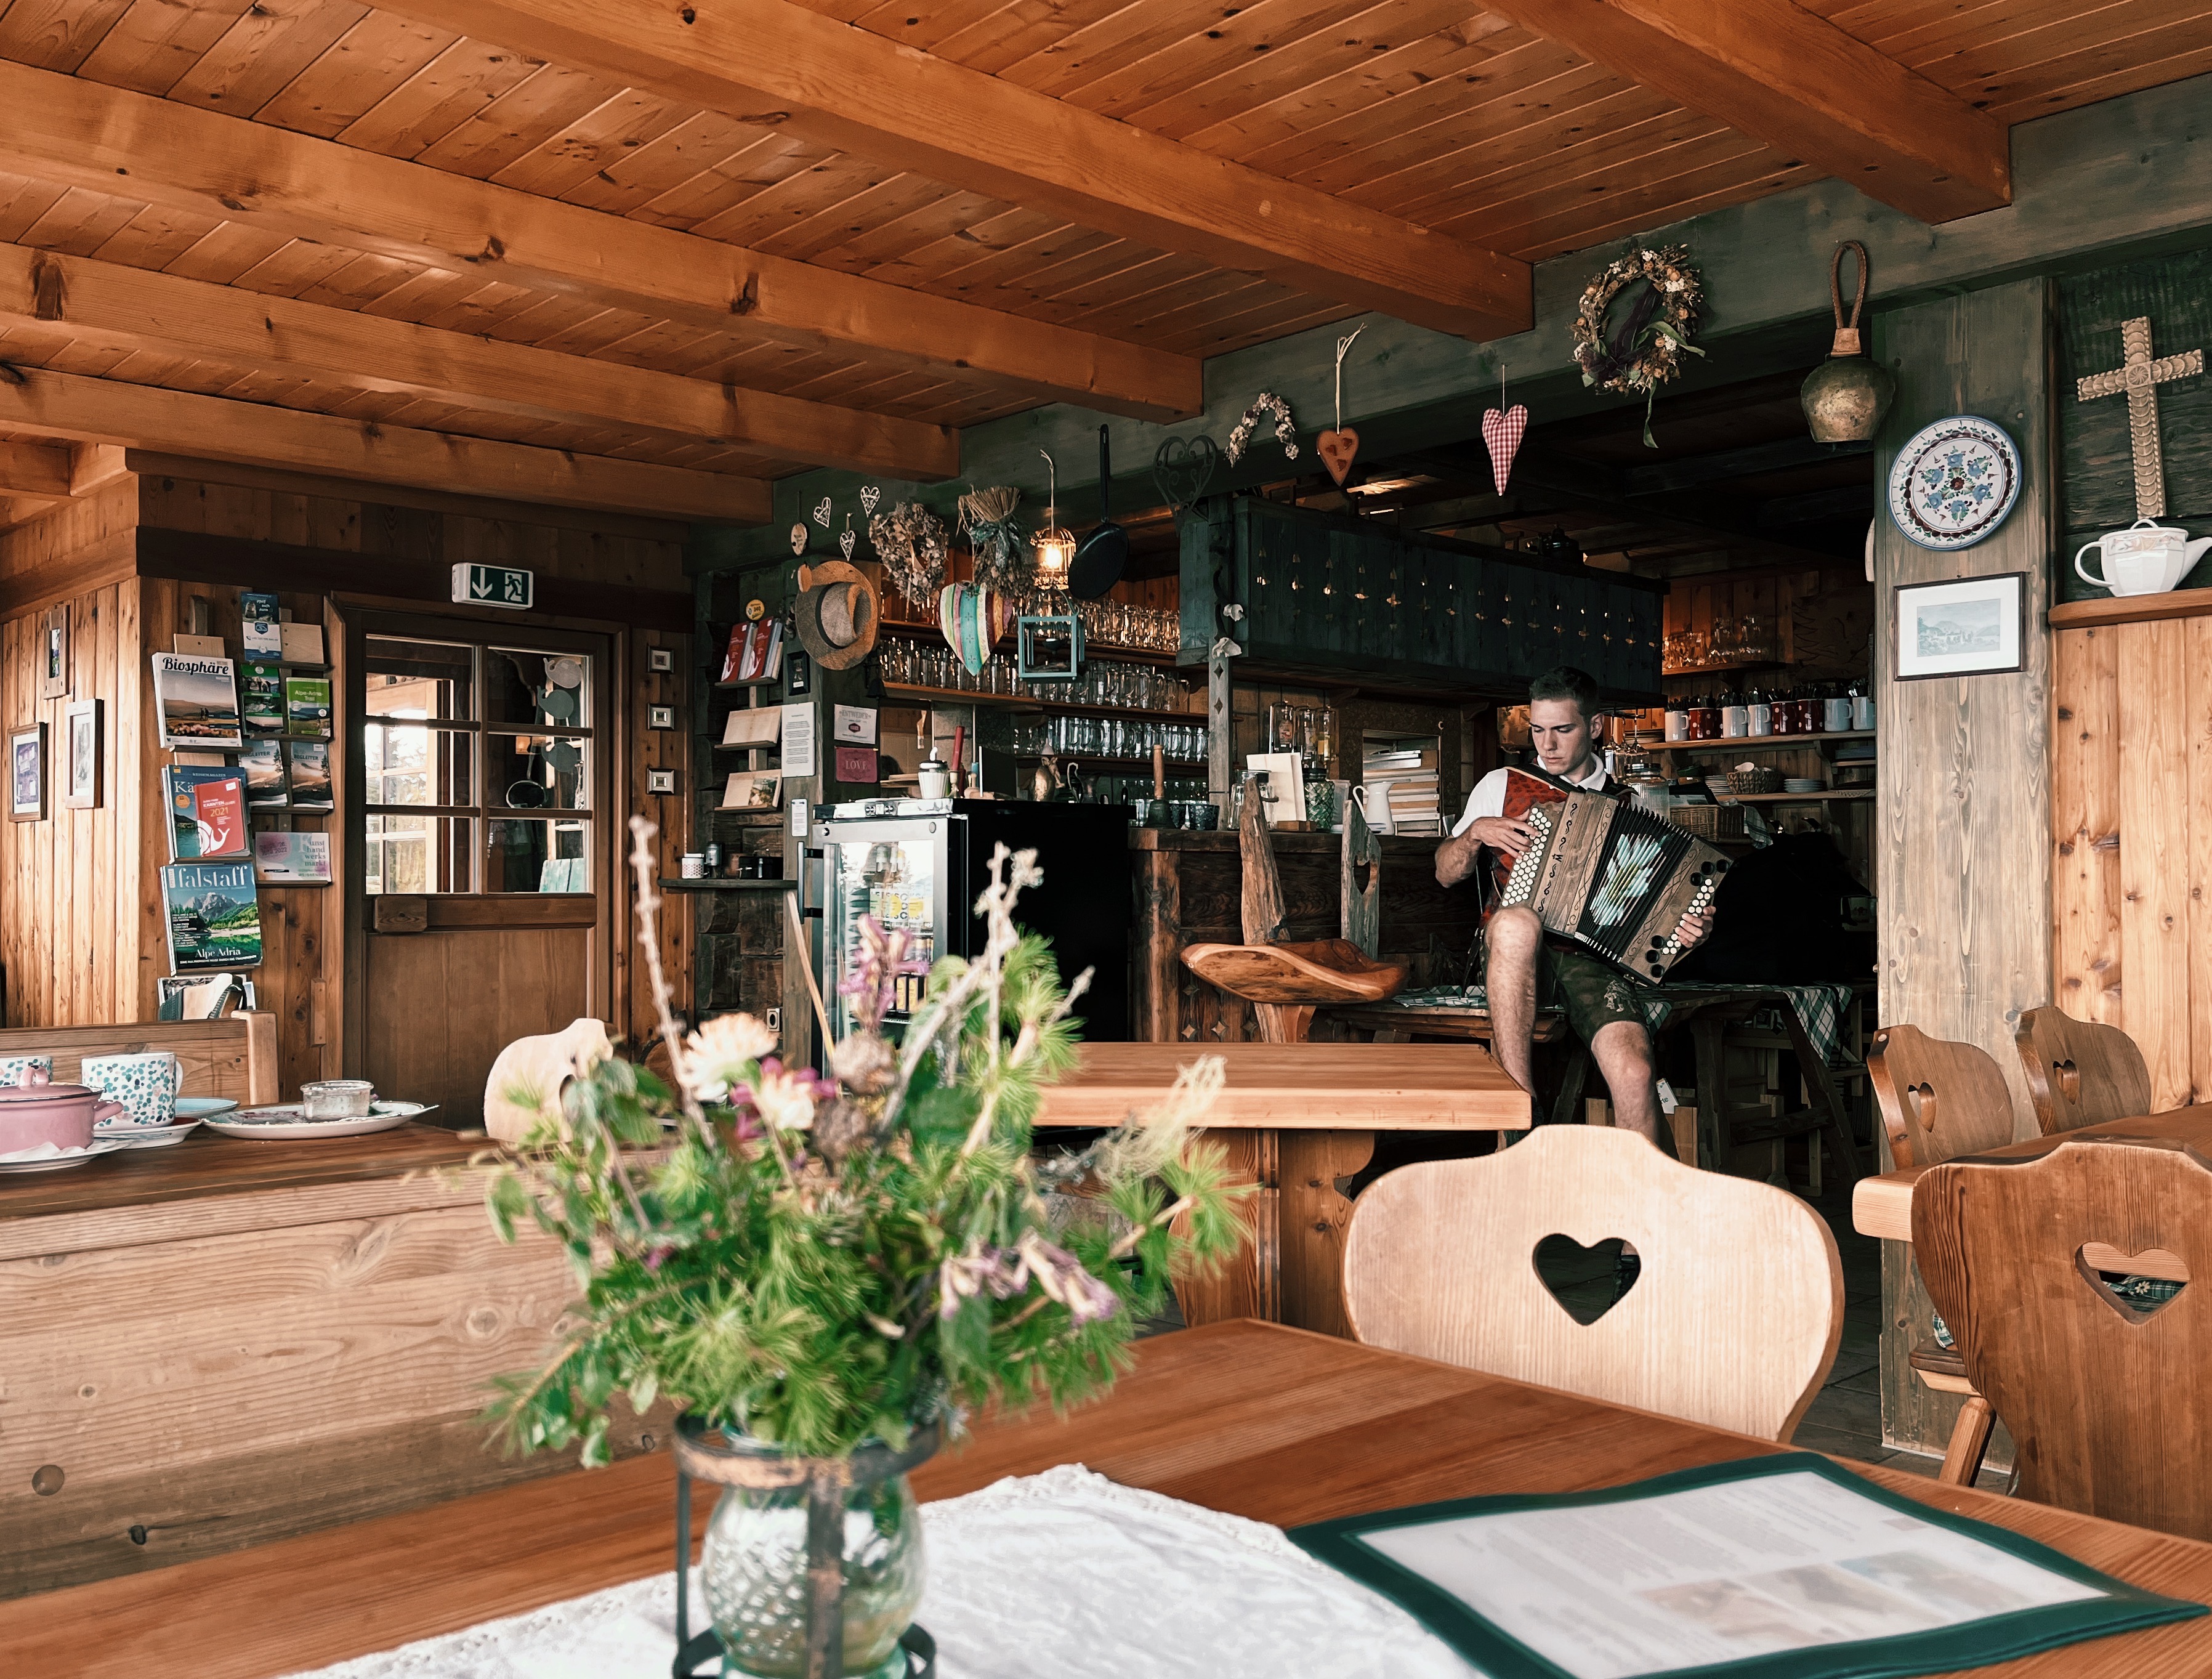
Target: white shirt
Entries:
(1488, 797)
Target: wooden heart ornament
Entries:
(1338, 448)
(799, 538)
(1502, 434)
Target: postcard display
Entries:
(256, 732)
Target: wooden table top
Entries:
(1301, 1086)
(1883, 1205)
(1254, 1419)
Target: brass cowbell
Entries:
(1846, 396)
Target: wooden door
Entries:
(482, 863)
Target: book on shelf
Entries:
(202, 996)
(1389, 763)
(214, 916)
(292, 859)
(753, 790)
(755, 652)
(261, 694)
(197, 699)
(264, 636)
(302, 643)
(308, 767)
(262, 763)
(760, 725)
(207, 811)
(307, 706)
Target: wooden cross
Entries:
(2140, 377)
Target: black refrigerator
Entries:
(918, 866)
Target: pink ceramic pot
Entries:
(62, 1115)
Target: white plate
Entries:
(1955, 482)
(287, 1123)
(146, 1136)
(204, 1107)
(75, 1157)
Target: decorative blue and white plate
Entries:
(1955, 482)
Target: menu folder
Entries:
(1787, 1566)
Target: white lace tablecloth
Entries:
(1064, 1574)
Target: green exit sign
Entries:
(493, 586)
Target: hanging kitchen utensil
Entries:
(1105, 550)
(1338, 446)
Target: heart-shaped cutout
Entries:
(1338, 449)
(2137, 1286)
(799, 538)
(1502, 433)
(821, 513)
(2066, 1079)
(1587, 1282)
(1921, 1100)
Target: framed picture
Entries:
(659, 660)
(82, 754)
(27, 774)
(53, 653)
(1972, 627)
(660, 780)
(660, 716)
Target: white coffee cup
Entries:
(2146, 558)
(935, 779)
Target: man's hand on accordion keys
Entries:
(1692, 930)
(1501, 833)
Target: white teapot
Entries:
(2146, 558)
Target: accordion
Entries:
(1614, 879)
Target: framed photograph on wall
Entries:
(53, 653)
(82, 754)
(1972, 627)
(27, 774)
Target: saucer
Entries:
(204, 1107)
(145, 1136)
(64, 1160)
(286, 1122)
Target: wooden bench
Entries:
(234, 1056)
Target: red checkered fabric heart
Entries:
(1502, 432)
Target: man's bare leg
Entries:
(1511, 943)
(1623, 1053)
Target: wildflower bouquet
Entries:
(816, 1260)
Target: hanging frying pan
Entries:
(1105, 550)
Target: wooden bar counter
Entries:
(224, 1342)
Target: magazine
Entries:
(292, 859)
(265, 636)
(307, 706)
(753, 790)
(203, 996)
(198, 701)
(261, 689)
(309, 765)
(262, 763)
(205, 805)
(215, 916)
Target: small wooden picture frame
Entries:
(26, 773)
(53, 653)
(660, 661)
(660, 716)
(660, 780)
(84, 756)
(1964, 626)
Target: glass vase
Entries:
(753, 1565)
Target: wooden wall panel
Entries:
(647, 749)
(1966, 801)
(2088, 972)
(2153, 680)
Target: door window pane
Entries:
(418, 854)
(537, 688)
(408, 765)
(531, 772)
(410, 678)
(535, 854)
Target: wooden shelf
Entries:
(2130, 609)
(1728, 670)
(1130, 655)
(1185, 768)
(905, 691)
(1758, 743)
(724, 883)
(1831, 796)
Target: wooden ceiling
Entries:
(691, 246)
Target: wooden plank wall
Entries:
(1966, 794)
(68, 942)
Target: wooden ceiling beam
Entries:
(135, 309)
(35, 470)
(131, 146)
(185, 422)
(778, 64)
(1783, 75)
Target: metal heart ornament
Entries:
(799, 538)
(1502, 433)
(1181, 470)
(846, 538)
(821, 513)
(1338, 449)
(869, 497)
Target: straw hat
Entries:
(837, 615)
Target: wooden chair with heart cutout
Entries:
(1938, 1100)
(2079, 1072)
(1733, 1320)
(2103, 1398)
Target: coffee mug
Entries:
(146, 1085)
(13, 1068)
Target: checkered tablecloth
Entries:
(1823, 1009)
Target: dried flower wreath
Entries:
(1647, 351)
(1286, 429)
(913, 544)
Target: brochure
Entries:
(264, 636)
(206, 806)
(292, 859)
(307, 706)
(262, 763)
(308, 763)
(198, 701)
(261, 689)
(753, 790)
(215, 916)
(202, 996)
(1783, 1566)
